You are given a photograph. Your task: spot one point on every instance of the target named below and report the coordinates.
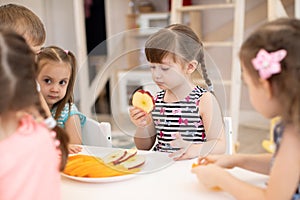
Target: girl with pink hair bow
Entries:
(271, 69)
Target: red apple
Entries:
(143, 99)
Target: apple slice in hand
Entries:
(143, 99)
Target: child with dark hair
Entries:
(187, 119)
(56, 76)
(32, 154)
(271, 69)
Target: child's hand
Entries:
(187, 149)
(225, 161)
(208, 175)
(74, 148)
(139, 117)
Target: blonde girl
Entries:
(187, 120)
(271, 69)
(56, 76)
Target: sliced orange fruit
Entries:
(95, 167)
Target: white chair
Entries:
(228, 135)
(96, 134)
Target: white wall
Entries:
(57, 16)
(58, 19)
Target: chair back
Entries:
(96, 134)
(228, 135)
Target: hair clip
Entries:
(210, 88)
(267, 63)
(50, 122)
(66, 51)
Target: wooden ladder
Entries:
(238, 7)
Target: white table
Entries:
(173, 180)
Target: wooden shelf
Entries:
(217, 44)
(205, 7)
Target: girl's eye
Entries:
(62, 82)
(47, 80)
(152, 67)
(165, 68)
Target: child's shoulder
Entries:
(198, 92)
(200, 89)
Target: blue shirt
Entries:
(65, 114)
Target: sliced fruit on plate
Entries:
(94, 167)
(130, 153)
(115, 156)
(117, 163)
(80, 170)
(133, 162)
(75, 162)
(143, 99)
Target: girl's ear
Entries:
(192, 66)
(266, 85)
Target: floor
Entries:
(249, 138)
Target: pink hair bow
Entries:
(268, 64)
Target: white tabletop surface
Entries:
(160, 178)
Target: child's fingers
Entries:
(179, 142)
(177, 155)
(204, 161)
(137, 114)
(74, 149)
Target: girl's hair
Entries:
(18, 84)
(279, 34)
(24, 22)
(182, 44)
(56, 54)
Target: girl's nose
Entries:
(54, 88)
(157, 73)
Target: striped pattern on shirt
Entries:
(182, 116)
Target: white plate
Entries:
(100, 180)
(154, 162)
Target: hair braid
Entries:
(61, 136)
(205, 76)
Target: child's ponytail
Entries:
(61, 136)
(205, 76)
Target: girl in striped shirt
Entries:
(186, 121)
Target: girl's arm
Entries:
(73, 128)
(285, 173)
(212, 118)
(145, 136)
(209, 110)
(259, 163)
(216, 178)
(283, 181)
